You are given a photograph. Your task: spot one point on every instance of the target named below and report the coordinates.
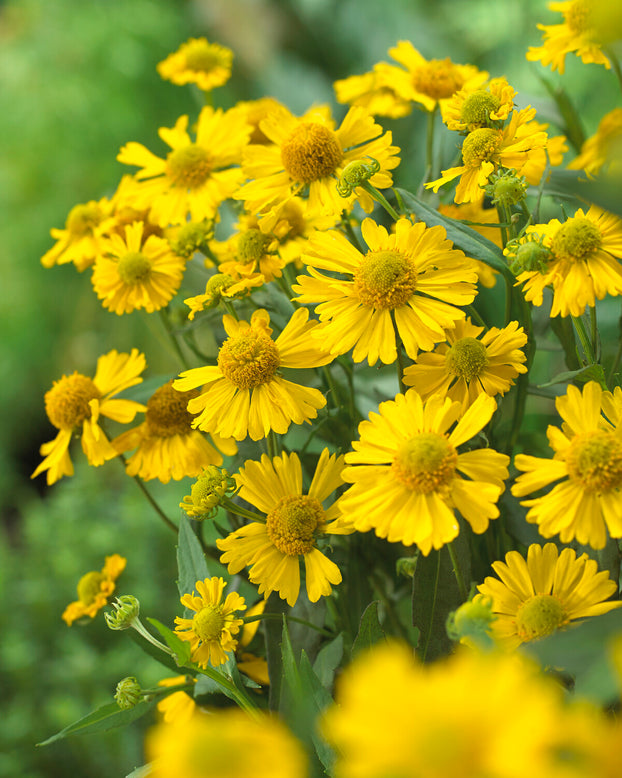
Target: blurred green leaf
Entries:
(370, 631)
(140, 772)
(328, 661)
(190, 559)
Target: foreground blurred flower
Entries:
(78, 401)
(211, 630)
(94, 589)
(545, 592)
(602, 148)
(179, 706)
(588, 456)
(196, 61)
(406, 479)
(293, 523)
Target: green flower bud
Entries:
(471, 622)
(127, 609)
(128, 693)
(528, 255)
(208, 492)
(356, 173)
(506, 188)
(192, 237)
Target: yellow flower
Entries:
(374, 91)
(94, 589)
(575, 34)
(602, 148)
(168, 446)
(196, 176)
(588, 456)
(211, 630)
(255, 667)
(178, 707)
(585, 263)
(488, 106)
(244, 394)
(132, 274)
(407, 482)
(308, 154)
(207, 65)
(77, 401)
(248, 252)
(253, 112)
(79, 242)
(467, 364)
(413, 276)
(545, 592)
(225, 743)
(294, 521)
(222, 287)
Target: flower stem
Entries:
(171, 525)
(233, 507)
(458, 572)
(279, 616)
(164, 318)
(380, 198)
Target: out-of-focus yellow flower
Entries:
(94, 589)
(207, 65)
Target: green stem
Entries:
(164, 318)
(279, 617)
(229, 308)
(380, 198)
(400, 356)
(614, 64)
(464, 593)
(347, 227)
(430, 174)
(236, 694)
(475, 316)
(236, 509)
(595, 334)
(522, 382)
(171, 525)
(584, 339)
(274, 444)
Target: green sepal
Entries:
(179, 647)
(370, 631)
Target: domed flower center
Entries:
(385, 279)
(134, 268)
(67, 402)
(249, 359)
(188, 167)
(311, 152)
(477, 108)
(578, 17)
(203, 58)
(89, 586)
(292, 523)
(217, 284)
(594, 460)
(576, 239)
(539, 616)
(480, 146)
(252, 245)
(466, 358)
(209, 622)
(425, 463)
(531, 256)
(83, 219)
(167, 413)
(438, 79)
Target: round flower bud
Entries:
(192, 237)
(356, 173)
(506, 188)
(127, 609)
(471, 622)
(128, 693)
(527, 255)
(208, 492)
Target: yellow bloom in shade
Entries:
(211, 631)
(294, 521)
(76, 402)
(585, 263)
(406, 480)
(466, 364)
(588, 457)
(94, 589)
(413, 276)
(488, 106)
(602, 148)
(130, 274)
(225, 743)
(168, 446)
(374, 92)
(255, 667)
(575, 35)
(196, 176)
(207, 65)
(545, 592)
(178, 707)
(79, 241)
(244, 394)
(308, 154)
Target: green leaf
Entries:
(104, 718)
(179, 647)
(574, 185)
(593, 372)
(191, 562)
(328, 660)
(140, 772)
(370, 632)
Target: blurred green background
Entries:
(78, 80)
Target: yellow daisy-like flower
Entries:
(196, 61)
(308, 154)
(374, 91)
(466, 364)
(196, 176)
(486, 149)
(178, 707)
(79, 241)
(168, 446)
(575, 35)
(255, 667)
(413, 276)
(249, 252)
(585, 263)
(294, 521)
(588, 457)
(211, 630)
(132, 274)
(472, 109)
(76, 402)
(254, 112)
(244, 394)
(222, 287)
(94, 589)
(545, 592)
(602, 148)
(406, 480)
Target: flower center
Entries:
(83, 219)
(438, 79)
(89, 586)
(167, 413)
(292, 523)
(577, 239)
(311, 152)
(385, 279)
(134, 268)
(252, 245)
(209, 622)
(594, 459)
(67, 402)
(477, 108)
(578, 17)
(202, 58)
(219, 283)
(188, 167)
(425, 463)
(539, 616)
(249, 359)
(466, 358)
(480, 146)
